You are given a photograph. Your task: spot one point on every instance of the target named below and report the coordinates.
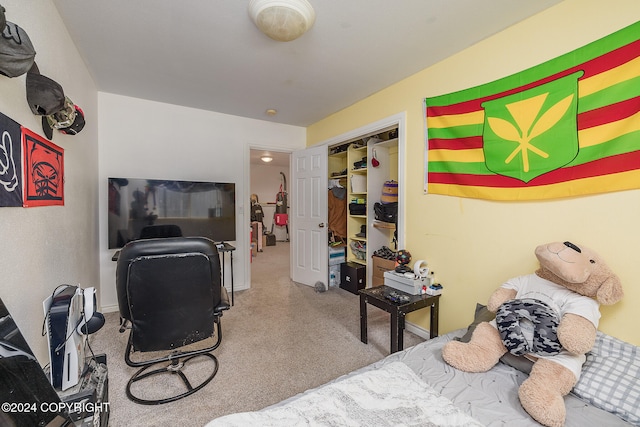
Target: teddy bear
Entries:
(550, 317)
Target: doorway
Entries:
(269, 181)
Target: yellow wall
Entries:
(475, 245)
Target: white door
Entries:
(309, 255)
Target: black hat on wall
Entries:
(44, 95)
(16, 51)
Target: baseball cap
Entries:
(77, 125)
(16, 51)
(69, 120)
(46, 128)
(44, 95)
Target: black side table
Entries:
(223, 248)
(377, 297)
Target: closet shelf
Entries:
(384, 225)
(339, 155)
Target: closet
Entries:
(359, 168)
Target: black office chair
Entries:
(160, 231)
(170, 296)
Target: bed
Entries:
(416, 387)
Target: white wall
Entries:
(475, 245)
(144, 139)
(45, 247)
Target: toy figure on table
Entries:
(403, 257)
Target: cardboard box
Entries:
(405, 284)
(380, 265)
(377, 281)
(268, 240)
(256, 235)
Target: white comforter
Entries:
(392, 395)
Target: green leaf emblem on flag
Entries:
(532, 132)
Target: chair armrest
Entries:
(224, 301)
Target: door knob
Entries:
(321, 225)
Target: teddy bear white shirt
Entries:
(562, 301)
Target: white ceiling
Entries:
(207, 54)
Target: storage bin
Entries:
(352, 277)
(334, 275)
(270, 239)
(358, 183)
(389, 192)
(402, 283)
(337, 256)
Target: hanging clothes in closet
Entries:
(337, 212)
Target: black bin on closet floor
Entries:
(353, 277)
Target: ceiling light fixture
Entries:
(266, 158)
(282, 20)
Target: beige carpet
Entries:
(279, 339)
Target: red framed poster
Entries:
(43, 171)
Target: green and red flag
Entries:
(567, 127)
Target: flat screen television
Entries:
(141, 208)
